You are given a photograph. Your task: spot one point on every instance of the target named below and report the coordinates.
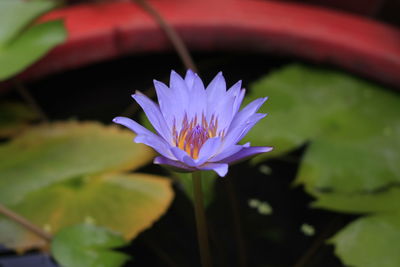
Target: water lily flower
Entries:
(197, 128)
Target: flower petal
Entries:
(224, 113)
(173, 163)
(154, 115)
(238, 101)
(247, 152)
(216, 91)
(133, 125)
(167, 103)
(198, 99)
(180, 89)
(158, 144)
(238, 93)
(253, 120)
(145, 136)
(227, 152)
(235, 89)
(209, 149)
(236, 134)
(189, 78)
(220, 168)
(183, 157)
(247, 111)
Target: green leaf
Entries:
(384, 200)
(30, 46)
(208, 183)
(61, 174)
(306, 103)
(299, 99)
(362, 153)
(15, 15)
(371, 241)
(87, 245)
(15, 117)
(48, 154)
(352, 161)
(352, 127)
(126, 203)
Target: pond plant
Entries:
(198, 129)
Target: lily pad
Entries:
(87, 245)
(17, 14)
(20, 45)
(371, 241)
(65, 173)
(351, 163)
(48, 154)
(15, 117)
(352, 127)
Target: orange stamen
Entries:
(193, 135)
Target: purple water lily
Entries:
(197, 128)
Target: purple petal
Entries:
(247, 111)
(173, 163)
(229, 151)
(220, 168)
(225, 113)
(236, 134)
(180, 89)
(209, 149)
(189, 78)
(238, 101)
(198, 99)
(235, 89)
(183, 157)
(246, 153)
(133, 125)
(167, 102)
(236, 92)
(154, 115)
(216, 91)
(253, 120)
(158, 144)
(145, 136)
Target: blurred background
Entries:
(327, 196)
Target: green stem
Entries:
(25, 223)
(202, 235)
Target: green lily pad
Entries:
(17, 14)
(371, 241)
(20, 45)
(352, 127)
(306, 103)
(382, 200)
(48, 154)
(15, 117)
(125, 203)
(87, 245)
(351, 163)
(61, 174)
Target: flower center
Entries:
(194, 134)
